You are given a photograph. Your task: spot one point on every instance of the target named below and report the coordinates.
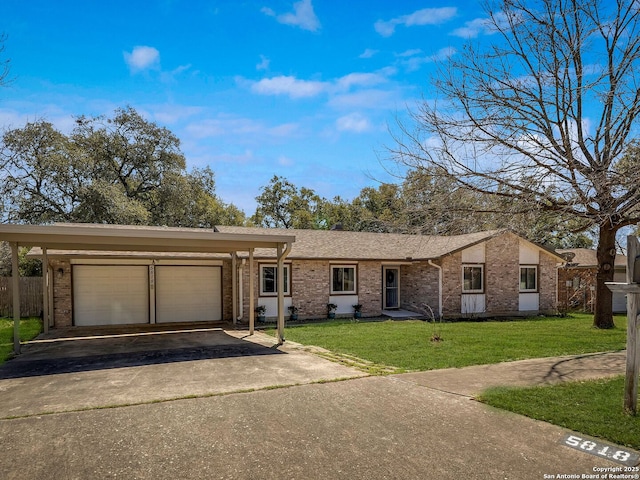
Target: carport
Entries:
(123, 238)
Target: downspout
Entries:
(240, 293)
(430, 262)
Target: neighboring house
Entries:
(482, 274)
(577, 280)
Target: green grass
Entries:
(407, 345)
(591, 407)
(29, 328)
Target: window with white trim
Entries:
(528, 278)
(343, 279)
(269, 280)
(473, 278)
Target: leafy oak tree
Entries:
(122, 169)
(282, 205)
(542, 117)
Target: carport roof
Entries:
(134, 238)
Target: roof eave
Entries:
(58, 237)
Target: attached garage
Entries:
(146, 292)
(188, 293)
(110, 294)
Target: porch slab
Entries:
(401, 314)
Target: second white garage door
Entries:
(188, 293)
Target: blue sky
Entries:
(303, 89)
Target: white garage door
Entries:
(110, 294)
(188, 294)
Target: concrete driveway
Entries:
(61, 374)
(240, 427)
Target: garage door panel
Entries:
(188, 293)
(110, 294)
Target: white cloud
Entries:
(227, 125)
(296, 88)
(285, 161)
(169, 77)
(410, 53)
(142, 58)
(414, 63)
(287, 85)
(368, 53)
(264, 63)
(426, 16)
(359, 79)
(172, 114)
(366, 99)
(353, 122)
(477, 26)
(302, 16)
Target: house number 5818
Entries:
(603, 450)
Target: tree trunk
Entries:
(606, 255)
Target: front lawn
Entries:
(591, 407)
(407, 345)
(29, 328)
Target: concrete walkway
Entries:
(266, 412)
(471, 381)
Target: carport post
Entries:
(15, 276)
(280, 278)
(252, 319)
(234, 287)
(45, 291)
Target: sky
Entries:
(308, 90)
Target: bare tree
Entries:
(543, 115)
(4, 62)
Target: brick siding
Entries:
(501, 279)
(62, 296)
(502, 274)
(548, 283)
(227, 292)
(419, 286)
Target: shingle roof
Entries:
(586, 257)
(323, 244)
(346, 245)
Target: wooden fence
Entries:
(30, 296)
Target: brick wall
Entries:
(502, 274)
(501, 279)
(548, 283)
(419, 286)
(62, 301)
(370, 288)
(227, 292)
(310, 287)
(451, 285)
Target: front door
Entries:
(391, 282)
